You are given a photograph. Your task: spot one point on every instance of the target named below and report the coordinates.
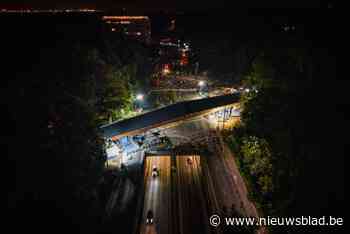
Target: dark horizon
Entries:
(162, 6)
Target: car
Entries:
(149, 217)
(154, 172)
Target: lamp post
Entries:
(201, 85)
(139, 98)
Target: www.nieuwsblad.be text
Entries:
(216, 220)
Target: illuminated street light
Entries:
(166, 69)
(139, 97)
(201, 83)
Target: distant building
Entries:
(135, 27)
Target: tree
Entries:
(257, 157)
(116, 92)
(280, 144)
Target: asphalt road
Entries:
(190, 197)
(178, 201)
(183, 201)
(157, 195)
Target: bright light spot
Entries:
(166, 69)
(126, 17)
(247, 90)
(201, 83)
(139, 97)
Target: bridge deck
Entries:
(166, 114)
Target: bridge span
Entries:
(166, 115)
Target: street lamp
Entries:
(138, 102)
(201, 85)
(166, 69)
(139, 97)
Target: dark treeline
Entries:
(288, 145)
(62, 77)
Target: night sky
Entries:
(161, 4)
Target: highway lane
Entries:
(157, 195)
(178, 201)
(192, 204)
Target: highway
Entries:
(211, 184)
(177, 200)
(190, 200)
(157, 195)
